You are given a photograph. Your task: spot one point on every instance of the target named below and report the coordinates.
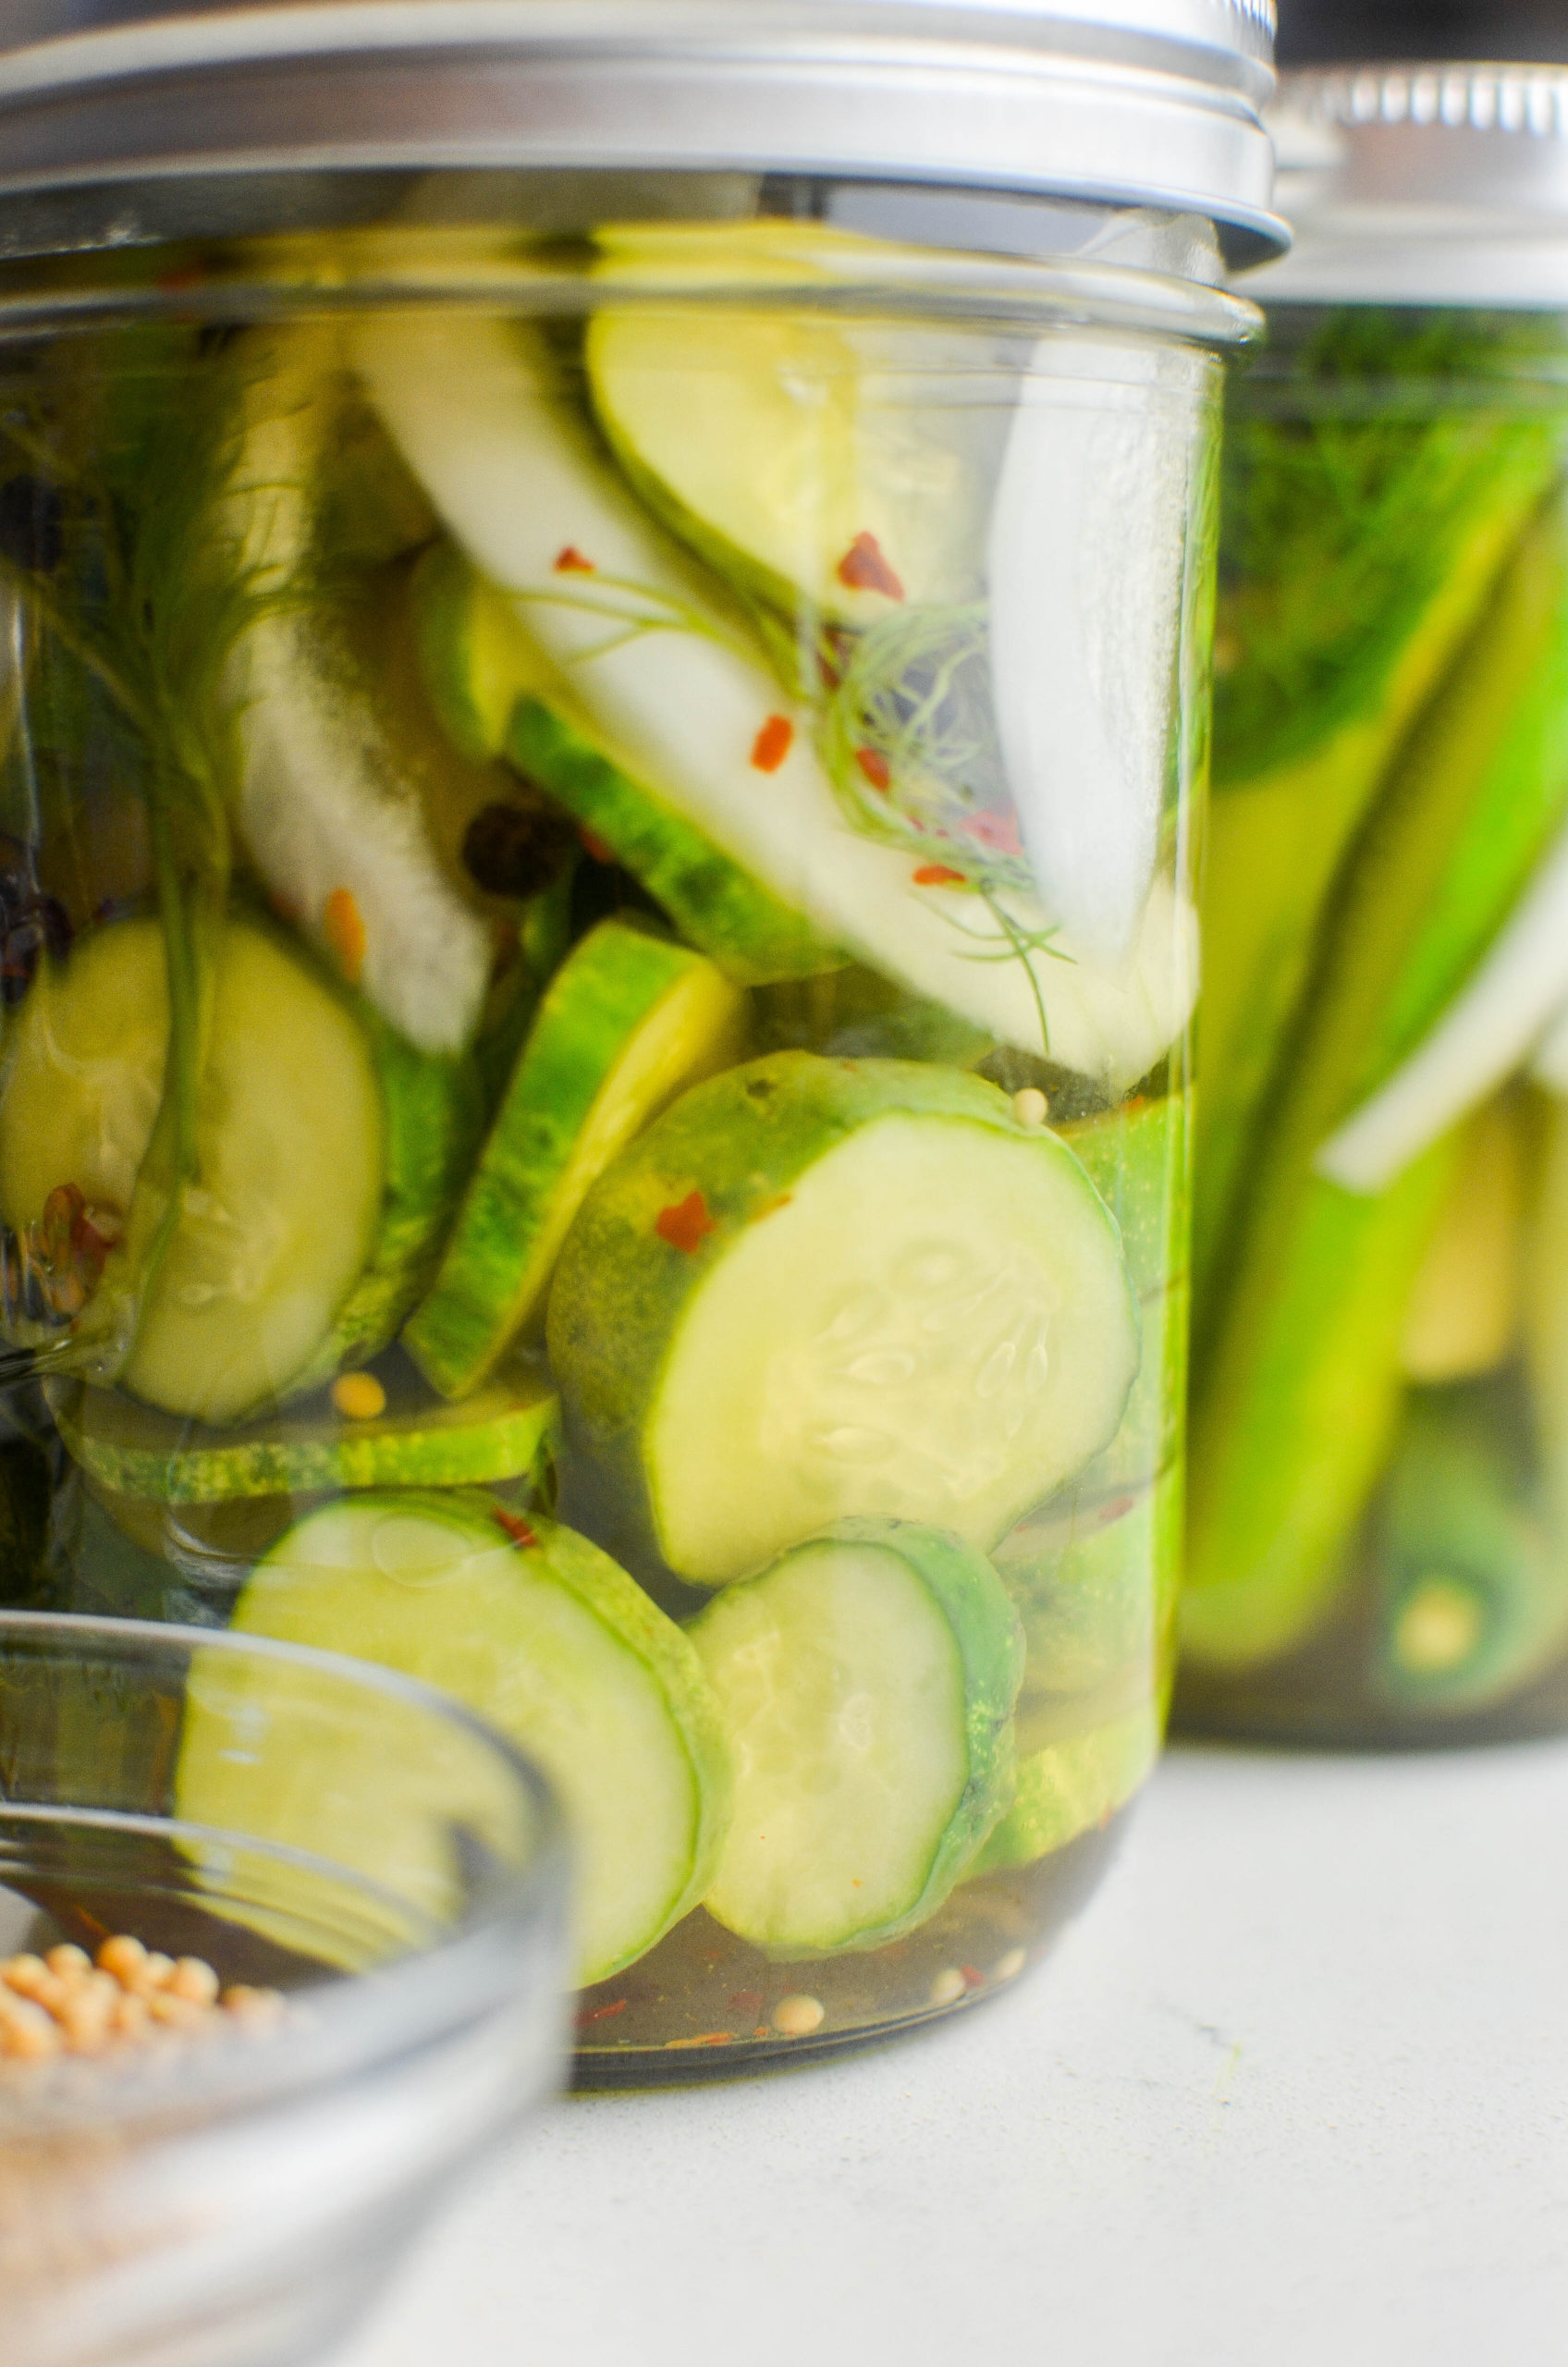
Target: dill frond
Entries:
(145, 592)
(909, 744)
(1363, 450)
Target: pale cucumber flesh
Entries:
(518, 480)
(774, 441)
(284, 1214)
(626, 1023)
(869, 1747)
(937, 1326)
(554, 1646)
(340, 795)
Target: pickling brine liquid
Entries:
(1380, 1524)
(598, 955)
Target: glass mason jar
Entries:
(599, 799)
(1379, 1480)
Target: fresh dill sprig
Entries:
(144, 585)
(633, 609)
(1363, 450)
(909, 741)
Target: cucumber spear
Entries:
(1298, 1390)
(1361, 543)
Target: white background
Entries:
(1294, 2093)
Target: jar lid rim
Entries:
(1126, 101)
(1439, 183)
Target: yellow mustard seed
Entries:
(122, 1956)
(358, 1396)
(1030, 1106)
(797, 2017)
(948, 1987)
(67, 2004)
(195, 1981)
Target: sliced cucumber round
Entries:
(845, 463)
(1470, 1594)
(541, 1633)
(498, 692)
(266, 1246)
(818, 1289)
(1072, 1786)
(1093, 1590)
(643, 700)
(866, 1684)
(499, 1433)
(626, 1022)
(434, 1107)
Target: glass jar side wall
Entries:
(1377, 1538)
(592, 1108)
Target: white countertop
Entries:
(1294, 2093)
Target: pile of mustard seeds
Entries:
(67, 2004)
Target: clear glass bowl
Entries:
(232, 2201)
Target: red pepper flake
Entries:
(864, 568)
(64, 1211)
(570, 561)
(515, 1528)
(686, 1225)
(708, 2038)
(998, 830)
(773, 743)
(940, 875)
(592, 2014)
(343, 927)
(745, 2001)
(971, 1980)
(876, 768)
(592, 844)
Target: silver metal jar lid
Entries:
(1142, 102)
(1423, 184)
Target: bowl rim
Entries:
(494, 1960)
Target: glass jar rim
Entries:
(408, 265)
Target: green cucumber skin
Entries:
(614, 980)
(1297, 1417)
(1277, 835)
(1069, 1788)
(546, 736)
(990, 1643)
(442, 603)
(196, 1464)
(618, 1605)
(434, 1106)
(1093, 1593)
(618, 1280)
(751, 935)
(1139, 1159)
(1297, 1384)
(1459, 1505)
